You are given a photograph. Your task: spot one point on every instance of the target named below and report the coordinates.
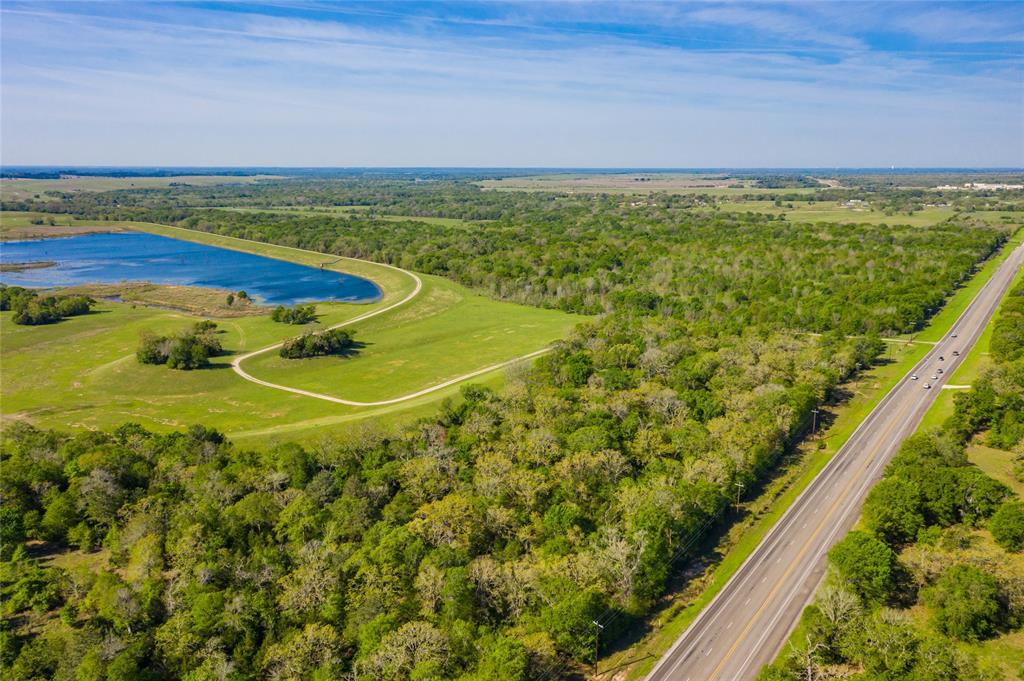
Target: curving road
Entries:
(236, 363)
(746, 624)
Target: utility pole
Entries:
(739, 490)
(597, 642)
(814, 415)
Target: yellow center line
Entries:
(806, 547)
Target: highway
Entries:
(748, 622)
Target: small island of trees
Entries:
(298, 314)
(330, 342)
(191, 349)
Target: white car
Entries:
(934, 377)
(954, 335)
(913, 377)
(927, 386)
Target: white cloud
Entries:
(227, 88)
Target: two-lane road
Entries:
(746, 624)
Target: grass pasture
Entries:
(82, 373)
(14, 189)
(806, 211)
(447, 333)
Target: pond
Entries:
(137, 256)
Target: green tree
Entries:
(966, 603)
(1007, 526)
(866, 564)
(893, 510)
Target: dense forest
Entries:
(483, 542)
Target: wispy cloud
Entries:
(530, 84)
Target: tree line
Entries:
(32, 309)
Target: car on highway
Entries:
(954, 335)
(939, 370)
(935, 377)
(913, 377)
(956, 353)
(927, 386)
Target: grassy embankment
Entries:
(765, 510)
(81, 372)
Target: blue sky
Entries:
(512, 84)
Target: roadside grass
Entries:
(977, 360)
(762, 513)
(1006, 651)
(944, 319)
(634, 662)
(81, 373)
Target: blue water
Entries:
(134, 256)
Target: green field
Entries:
(448, 332)
(82, 373)
(805, 211)
(19, 188)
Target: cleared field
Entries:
(82, 372)
(631, 183)
(804, 211)
(19, 188)
(998, 464)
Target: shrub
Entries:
(189, 350)
(299, 314)
(966, 602)
(31, 309)
(330, 342)
(1007, 526)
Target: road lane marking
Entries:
(680, 651)
(898, 420)
(902, 420)
(849, 502)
